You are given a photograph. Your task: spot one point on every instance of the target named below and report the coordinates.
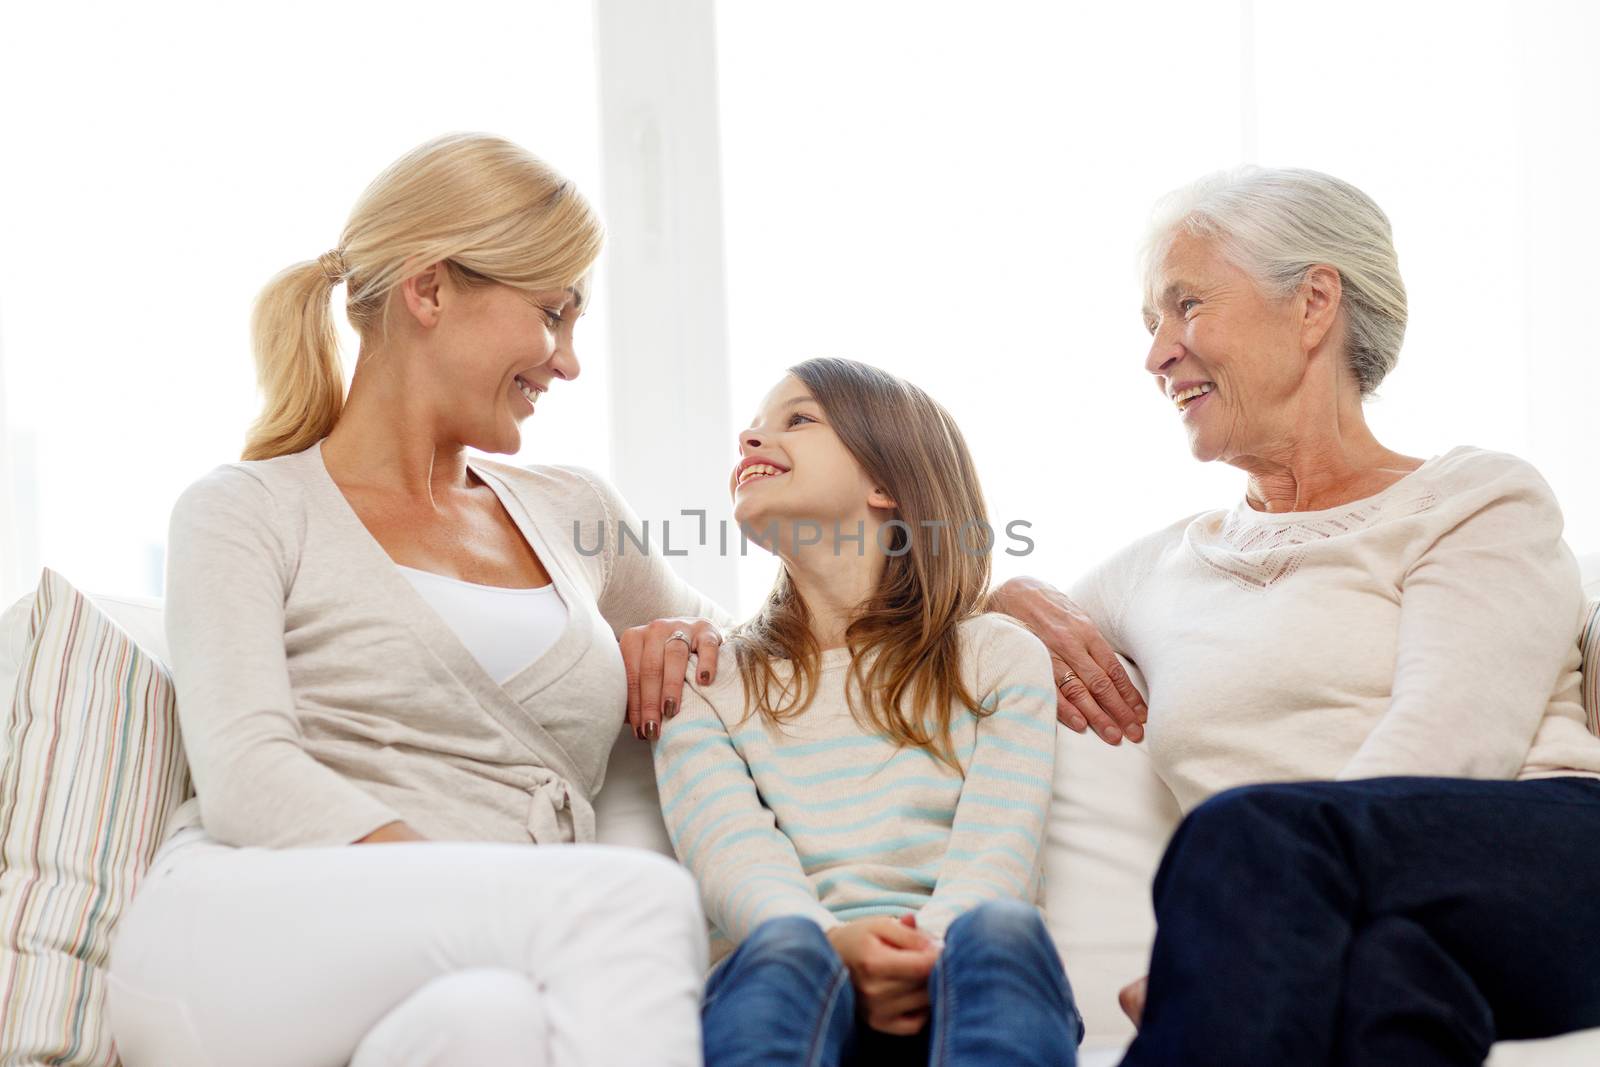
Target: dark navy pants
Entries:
(1401, 922)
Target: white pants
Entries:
(409, 955)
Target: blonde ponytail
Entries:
(297, 363)
(487, 209)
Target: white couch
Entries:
(1110, 821)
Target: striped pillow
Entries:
(93, 768)
(1589, 642)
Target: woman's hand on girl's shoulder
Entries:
(656, 660)
(1092, 689)
(889, 963)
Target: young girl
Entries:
(863, 801)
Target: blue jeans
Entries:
(1408, 921)
(998, 995)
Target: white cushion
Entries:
(92, 770)
(1578, 1049)
(628, 809)
(1110, 819)
(1589, 573)
(141, 619)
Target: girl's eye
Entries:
(797, 415)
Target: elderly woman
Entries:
(1392, 639)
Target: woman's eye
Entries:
(553, 316)
(1185, 304)
(797, 415)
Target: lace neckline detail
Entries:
(1258, 549)
(1244, 513)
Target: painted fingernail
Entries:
(650, 730)
(705, 676)
(670, 709)
(1135, 732)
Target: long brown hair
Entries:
(910, 446)
(486, 208)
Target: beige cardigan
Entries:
(320, 697)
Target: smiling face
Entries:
(793, 469)
(490, 352)
(1228, 357)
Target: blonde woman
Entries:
(863, 799)
(377, 640)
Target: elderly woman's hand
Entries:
(655, 656)
(1092, 689)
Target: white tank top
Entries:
(504, 629)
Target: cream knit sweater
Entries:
(1431, 629)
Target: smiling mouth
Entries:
(1192, 394)
(756, 472)
(529, 393)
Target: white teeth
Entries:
(1182, 399)
(756, 470)
(527, 391)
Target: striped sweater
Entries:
(827, 819)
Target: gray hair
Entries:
(1275, 224)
